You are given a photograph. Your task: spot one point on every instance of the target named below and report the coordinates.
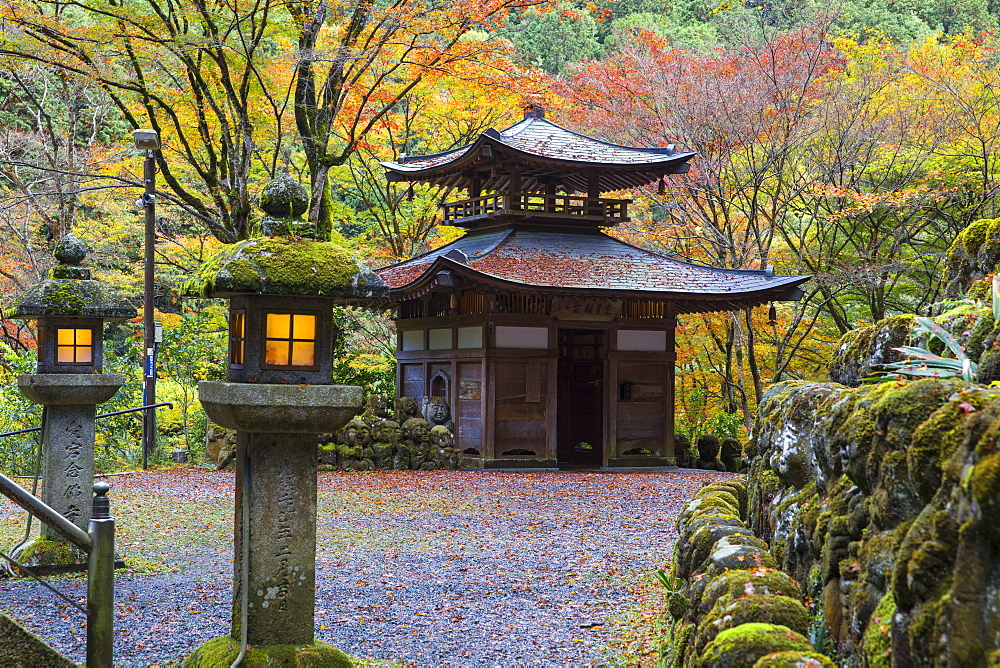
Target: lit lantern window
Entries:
(237, 337)
(290, 340)
(74, 346)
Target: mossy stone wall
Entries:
(731, 607)
(893, 531)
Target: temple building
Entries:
(552, 341)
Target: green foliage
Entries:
(670, 583)
(922, 362)
(724, 425)
(17, 453)
(553, 38)
(194, 348)
(363, 352)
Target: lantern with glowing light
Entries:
(71, 309)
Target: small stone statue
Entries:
(377, 408)
(708, 454)
(417, 432)
(349, 446)
(448, 452)
(220, 445)
(732, 456)
(437, 412)
(682, 451)
(406, 408)
(385, 435)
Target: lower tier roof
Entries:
(545, 261)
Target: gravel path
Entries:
(422, 568)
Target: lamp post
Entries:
(148, 141)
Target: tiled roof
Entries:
(589, 261)
(543, 138)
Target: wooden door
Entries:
(580, 434)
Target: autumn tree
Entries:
(747, 111)
(351, 76)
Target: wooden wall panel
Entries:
(469, 406)
(412, 380)
(521, 415)
(642, 418)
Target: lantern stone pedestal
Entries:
(67, 458)
(277, 428)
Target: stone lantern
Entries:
(71, 309)
(279, 397)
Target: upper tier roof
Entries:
(547, 261)
(547, 154)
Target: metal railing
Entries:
(541, 204)
(99, 544)
(97, 417)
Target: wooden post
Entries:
(594, 193)
(671, 322)
(475, 190)
(514, 187)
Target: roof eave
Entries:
(786, 287)
(396, 171)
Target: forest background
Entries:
(851, 143)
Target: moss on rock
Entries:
(926, 557)
(20, 648)
(985, 490)
(794, 659)
(67, 297)
(877, 640)
(221, 652)
(742, 646)
(43, 555)
(733, 584)
(861, 350)
(286, 266)
(752, 607)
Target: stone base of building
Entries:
(484, 463)
(220, 652)
(640, 462)
(535, 464)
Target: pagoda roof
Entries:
(547, 153)
(593, 263)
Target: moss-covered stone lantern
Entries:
(71, 309)
(279, 397)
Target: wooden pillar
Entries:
(475, 191)
(550, 197)
(594, 193)
(671, 322)
(514, 187)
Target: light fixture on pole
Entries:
(148, 141)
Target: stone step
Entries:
(20, 648)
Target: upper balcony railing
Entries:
(537, 205)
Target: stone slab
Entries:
(61, 389)
(20, 648)
(269, 408)
(281, 497)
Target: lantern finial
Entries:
(70, 250)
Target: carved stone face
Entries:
(384, 431)
(442, 437)
(436, 410)
(378, 406)
(408, 407)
